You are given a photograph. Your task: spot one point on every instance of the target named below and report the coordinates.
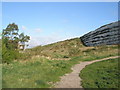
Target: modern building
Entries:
(105, 35)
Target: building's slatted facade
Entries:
(105, 35)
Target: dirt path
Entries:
(72, 80)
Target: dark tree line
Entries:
(10, 42)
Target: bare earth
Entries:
(72, 80)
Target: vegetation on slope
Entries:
(59, 49)
(0, 51)
(37, 73)
(10, 43)
(70, 48)
(104, 74)
(41, 72)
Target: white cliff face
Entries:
(105, 35)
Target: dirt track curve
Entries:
(72, 80)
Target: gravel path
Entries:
(72, 80)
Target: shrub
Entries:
(65, 57)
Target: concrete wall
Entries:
(105, 35)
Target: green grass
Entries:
(38, 73)
(59, 49)
(71, 48)
(104, 74)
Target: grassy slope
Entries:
(38, 72)
(0, 51)
(0, 63)
(59, 49)
(70, 48)
(104, 74)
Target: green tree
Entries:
(10, 35)
(10, 42)
(23, 39)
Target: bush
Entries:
(9, 54)
(65, 57)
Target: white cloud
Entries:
(36, 41)
(33, 42)
(44, 40)
(24, 28)
(38, 30)
(51, 38)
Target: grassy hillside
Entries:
(59, 49)
(0, 63)
(69, 48)
(42, 66)
(104, 74)
(37, 73)
(0, 51)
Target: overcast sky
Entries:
(48, 22)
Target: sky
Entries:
(60, 0)
(49, 22)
